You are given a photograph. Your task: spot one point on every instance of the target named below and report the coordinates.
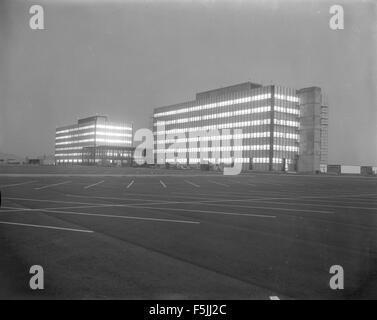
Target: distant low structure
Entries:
(34, 161)
(10, 159)
(348, 169)
(94, 141)
(42, 160)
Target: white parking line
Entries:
(52, 185)
(130, 184)
(274, 298)
(163, 184)
(137, 206)
(204, 211)
(115, 198)
(192, 183)
(47, 200)
(16, 184)
(141, 205)
(46, 227)
(210, 201)
(118, 216)
(220, 184)
(94, 184)
(91, 214)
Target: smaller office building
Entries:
(94, 140)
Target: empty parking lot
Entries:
(144, 234)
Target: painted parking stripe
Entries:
(147, 207)
(192, 183)
(92, 214)
(16, 184)
(219, 183)
(47, 200)
(94, 184)
(163, 184)
(269, 208)
(130, 184)
(115, 198)
(212, 200)
(118, 216)
(204, 211)
(45, 227)
(52, 185)
(274, 298)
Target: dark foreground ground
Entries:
(181, 235)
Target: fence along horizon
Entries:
(269, 128)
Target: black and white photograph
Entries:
(196, 151)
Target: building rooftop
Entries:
(90, 119)
(227, 90)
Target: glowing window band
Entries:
(227, 103)
(218, 126)
(215, 105)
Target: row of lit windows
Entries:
(288, 98)
(117, 154)
(198, 160)
(73, 142)
(101, 126)
(215, 138)
(218, 126)
(227, 103)
(229, 148)
(229, 114)
(69, 148)
(213, 160)
(287, 110)
(68, 154)
(217, 115)
(75, 129)
(232, 125)
(229, 137)
(286, 135)
(111, 127)
(227, 160)
(108, 154)
(97, 140)
(215, 105)
(274, 160)
(285, 148)
(69, 161)
(74, 160)
(213, 149)
(99, 133)
(75, 135)
(287, 123)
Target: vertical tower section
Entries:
(324, 133)
(309, 158)
(286, 128)
(272, 126)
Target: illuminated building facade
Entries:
(205, 130)
(94, 140)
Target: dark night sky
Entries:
(124, 58)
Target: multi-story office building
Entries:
(94, 140)
(262, 127)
